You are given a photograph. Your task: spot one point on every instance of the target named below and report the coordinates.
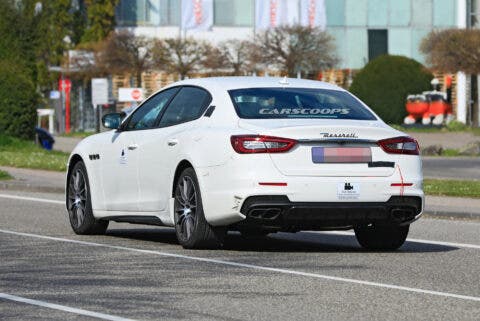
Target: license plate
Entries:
(348, 191)
(341, 155)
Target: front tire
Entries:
(381, 237)
(191, 227)
(79, 203)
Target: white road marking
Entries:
(64, 308)
(453, 244)
(464, 245)
(251, 266)
(33, 199)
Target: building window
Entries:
(473, 13)
(148, 13)
(233, 13)
(377, 43)
(171, 13)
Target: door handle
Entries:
(132, 147)
(172, 142)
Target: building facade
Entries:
(362, 29)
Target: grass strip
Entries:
(78, 134)
(456, 188)
(15, 152)
(4, 176)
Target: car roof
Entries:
(234, 82)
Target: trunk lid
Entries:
(345, 139)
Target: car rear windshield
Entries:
(265, 103)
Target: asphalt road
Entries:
(451, 167)
(141, 273)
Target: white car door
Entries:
(160, 147)
(119, 172)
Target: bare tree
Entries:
(454, 50)
(296, 49)
(181, 56)
(85, 61)
(239, 56)
(215, 59)
(123, 52)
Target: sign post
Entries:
(65, 85)
(99, 97)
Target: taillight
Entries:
(245, 144)
(400, 145)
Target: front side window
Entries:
(146, 115)
(188, 104)
(268, 103)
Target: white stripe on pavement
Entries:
(465, 245)
(33, 199)
(251, 266)
(453, 244)
(64, 308)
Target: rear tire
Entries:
(79, 203)
(381, 237)
(191, 227)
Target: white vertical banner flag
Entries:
(313, 13)
(276, 13)
(197, 14)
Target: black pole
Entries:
(97, 118)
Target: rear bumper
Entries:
(278, 213)
(226, 188)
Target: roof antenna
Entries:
(284, 81)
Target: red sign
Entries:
(136, 94)
(65, 85)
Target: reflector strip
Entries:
(341, 154)
(272, 184)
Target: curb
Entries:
(452, 215)
(31, 188)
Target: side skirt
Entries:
(150, 218)
(133, 219)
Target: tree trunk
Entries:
(476, 105)
(139, 79)
(472, 113)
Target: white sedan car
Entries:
(248, 154)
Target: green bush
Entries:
(456, 126)
(18, 101)
(384, 83)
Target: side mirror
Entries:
(112, 120)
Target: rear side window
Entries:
(188, 104)
(265, 103)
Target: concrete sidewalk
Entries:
(453, 140)
(54, 182)
(33, 180)
(65, 144)
(461, 207)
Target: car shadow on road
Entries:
(278, 242)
